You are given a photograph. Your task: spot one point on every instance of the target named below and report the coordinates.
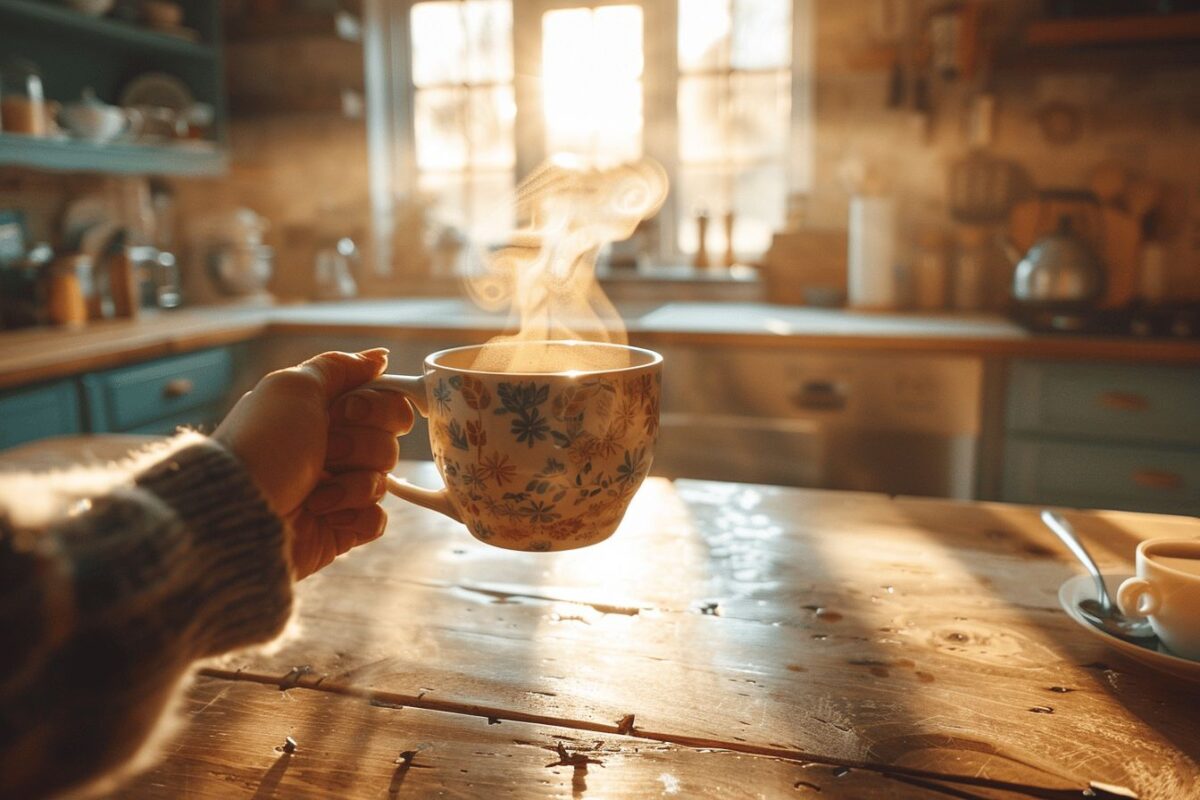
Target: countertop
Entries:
(41, 354)
(729, 640)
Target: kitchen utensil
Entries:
(982, 188)
(93, 120)
(517, 442)
(241, 269)
(1100, 610)
(1149, 652)
(1166, 593)
(1121, 237)
(1061, 271)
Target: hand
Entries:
(319, 447)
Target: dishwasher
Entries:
(897, 423)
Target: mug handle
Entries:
(413, 390)
(1132, 593)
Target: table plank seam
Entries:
(625, 727)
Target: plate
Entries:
(1151, 653)
(157, 90)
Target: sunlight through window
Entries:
(592, 82)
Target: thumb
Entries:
(338, 373)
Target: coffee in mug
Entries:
(1167, 591)
(544, 458)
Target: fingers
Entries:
(338, 373)
(342, 531)
(347, 490)
(357, 448)
(374, 409)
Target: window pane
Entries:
(704, 29)
(759, 198)
(762, 34)
(490, 119)
(489, 40)
(438, 45)
(761, 105)
(440, 127)
(701, 128)
(446, 193)
(592, 97)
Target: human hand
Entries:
(319, 445)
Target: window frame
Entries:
(390, 106)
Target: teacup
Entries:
(536, 460)
(1167, 590)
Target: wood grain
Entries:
(231, 746)
(804, 624)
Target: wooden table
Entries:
(730, 641)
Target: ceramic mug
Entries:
(537, 460)
(1167, 590)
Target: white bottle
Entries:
(872, 253)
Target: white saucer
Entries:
(1152, 653)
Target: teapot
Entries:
(1060, 271)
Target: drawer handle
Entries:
(1157, 479)
(1124, 401)
(178, 387)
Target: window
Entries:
(481, 91)
(463, 111)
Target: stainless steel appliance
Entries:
(875, 422)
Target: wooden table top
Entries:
(729, 641)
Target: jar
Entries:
(971, 268)
(22, 104)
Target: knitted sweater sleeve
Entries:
(103, 610)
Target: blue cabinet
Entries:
(158, 396)
(153, 397)
(51, 409)
(1103, 436)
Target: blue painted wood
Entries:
(128, 398)
(1050, 472)
(35, 413)
(196, 159)
(204, 419)
(1110, 402)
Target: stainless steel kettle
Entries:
(1060, 271)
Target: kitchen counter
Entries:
(41, 354)
(730, 640)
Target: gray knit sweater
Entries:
(104, 607)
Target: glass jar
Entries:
(22, 104)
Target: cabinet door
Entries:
(178, 390)
(1113, 402)
(1102, 476)
(47, 410)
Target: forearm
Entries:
(102, 613)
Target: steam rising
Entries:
(546, 276)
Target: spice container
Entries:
(972, 256)
(22, 104)
(930, 271)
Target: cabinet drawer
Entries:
(1110, 402)
(133, 397)
(47, 410)
(1100, 476)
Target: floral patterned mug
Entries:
(536, 460)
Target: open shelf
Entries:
(72, 155)
(101, 29)
(1114, 30)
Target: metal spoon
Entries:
(1101, 612)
